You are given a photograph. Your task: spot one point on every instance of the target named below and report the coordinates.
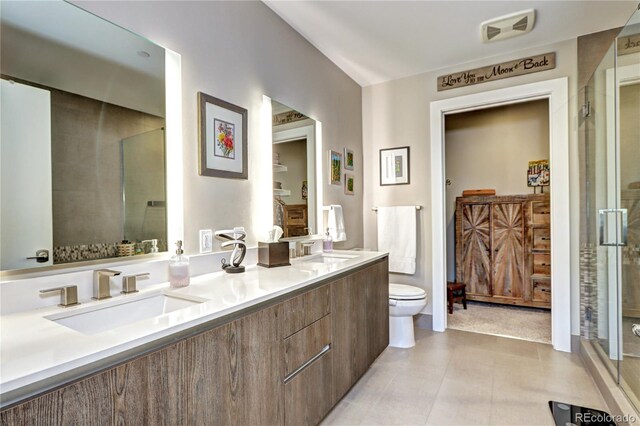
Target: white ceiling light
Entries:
(508, 26)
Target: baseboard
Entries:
(575, 343)
(615, 398)
(423, 321)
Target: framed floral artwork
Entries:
(223, 138)
(394, 166)
(348, 159)
(335, 168)
(348, 183)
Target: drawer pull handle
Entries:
(298, 370)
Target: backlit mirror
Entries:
(82, 138)
(294, 171)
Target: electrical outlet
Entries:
(206, 241)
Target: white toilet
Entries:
(405, 301)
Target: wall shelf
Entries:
(279, 168)
(282, 192)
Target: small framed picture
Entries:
(223, 138)
(348, 183)
(394, 166)
(335, 166)
(348, 159)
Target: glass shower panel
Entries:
(628, 91)
(601, 209)
(144, 192)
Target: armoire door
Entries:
(508, 250)
(475, 245)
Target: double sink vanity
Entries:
(269, 346)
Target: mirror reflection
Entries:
(82, 142)
(294, 205)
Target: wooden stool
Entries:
(453, 288)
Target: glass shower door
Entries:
(612, 252)
(628, 113)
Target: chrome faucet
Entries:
(68, 295)
(101, 281)
(130, 283)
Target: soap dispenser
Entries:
(327, 242)
(179, 268)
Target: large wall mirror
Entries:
(294, 171)
(83, 138)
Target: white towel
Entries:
(397, 235)
(335, 223)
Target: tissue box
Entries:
(273, 254)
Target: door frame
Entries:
(556, 92)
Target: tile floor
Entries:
(461, 378)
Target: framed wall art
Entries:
(223, 138)
(348, 159)
(335, 168)
(348, 183)
(394, 166)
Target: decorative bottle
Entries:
(179, 268)
(327, 243)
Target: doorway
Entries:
(556, 92)
(498, 239)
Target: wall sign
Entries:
(629, 44)
(508, 69)
(288, 117)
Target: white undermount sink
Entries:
(329, 258)
(113, 314)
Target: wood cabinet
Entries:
(278, 365)
(360, 308)
(295, 220)
(229, 375)
(503, 248)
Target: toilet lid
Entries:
(405, 292)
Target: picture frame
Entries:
(538, 173)
(395, 166)
(348, 159)
(335, 168)
(349, 181)
(222, 128)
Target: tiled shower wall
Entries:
(86, 167)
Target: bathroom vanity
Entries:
(272, 346)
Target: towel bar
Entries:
(418, 207)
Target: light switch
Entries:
(206, 241)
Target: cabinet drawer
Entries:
(541, 264)
(307, 397)
(305, 309)
(305, 344)
(541, 239)
(541, 212)
(541, 290)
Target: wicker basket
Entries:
(126, 249)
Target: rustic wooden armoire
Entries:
(503, 248)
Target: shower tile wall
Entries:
(86, 167)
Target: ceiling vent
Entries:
(508, 26)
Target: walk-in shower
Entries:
(610, 240)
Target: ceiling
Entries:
(59, 45)
(377, 41)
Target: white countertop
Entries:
(37, 353)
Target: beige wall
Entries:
(239, 51)
(396, 113)
(491, 148)
(294, 156)
(629, 135)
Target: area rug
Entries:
(502, 320)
